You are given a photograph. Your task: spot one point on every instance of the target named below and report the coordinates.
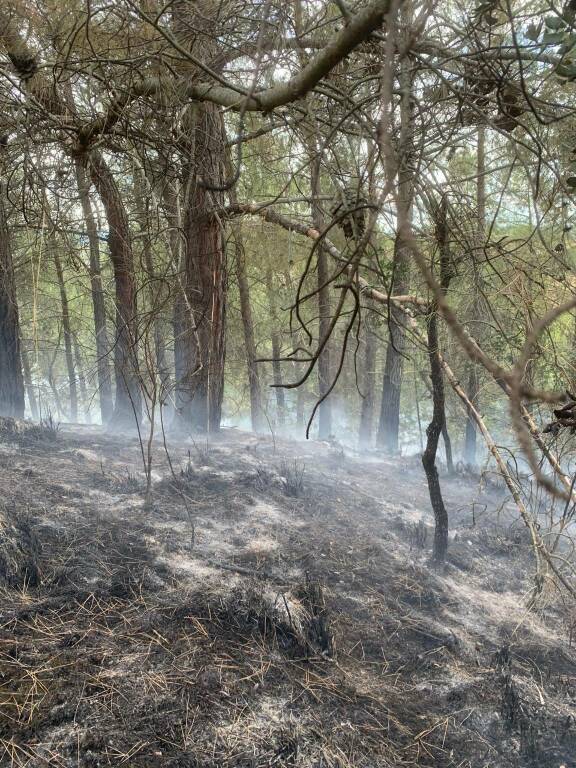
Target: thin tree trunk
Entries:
(447, 445)
(324, 313)
(11, 380)
(276, 349)
(66, 327)
(323, 271)
(473, 388)
(127, 409)
(28, 383)
(156, 290)
(445, 432)
(256, 411)
(438, 422)
(368, 385)
(433, 432)
(50, 376)
(98, 304)
(300, 391)
(172, 210)
(389, 425)
(81, 379)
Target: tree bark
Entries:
(204, 277)
(204, 267)
(11, 380)
(98, 304)
(127, 409)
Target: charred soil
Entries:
(273, 606)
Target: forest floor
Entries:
(273, 606)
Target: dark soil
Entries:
(272, 606)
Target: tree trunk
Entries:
(28, 383)
(98, 304)
(300, 391)
(438, 423)
(51, 381)
(156, 288)
(323, 272)
(204, 263)
(81, 379)
(368, 385)
(433, 432)
(276, 349)
(256, 412)
(204, 276)
(388, 428)
(324, 318)
(11, 380)
(68, 350)
(172, 211)
(476, 312)
(127, 409)
(447, 445)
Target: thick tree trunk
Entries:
(98, 304)
(11, 380)
(127, 409)
(204, 263)
(276, 349)
(389, 425)
(204, 276)
(66, 328)
(476, 311)
(368, 385)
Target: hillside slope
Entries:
(273, 606)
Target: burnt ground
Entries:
(273, 606)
